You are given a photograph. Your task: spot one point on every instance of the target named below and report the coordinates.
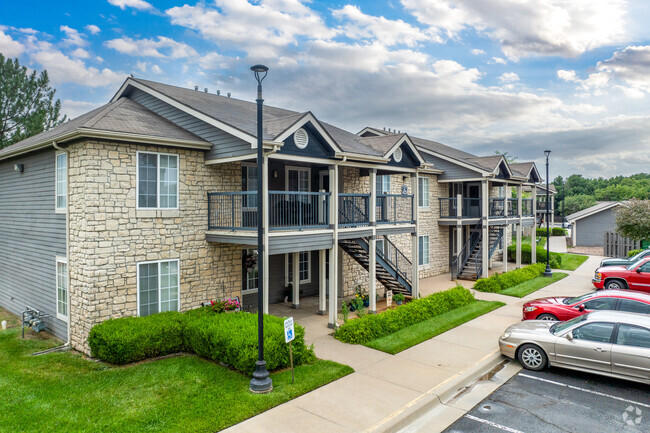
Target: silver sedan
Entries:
(610, 343)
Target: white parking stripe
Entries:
(493, 424)
(585, 390)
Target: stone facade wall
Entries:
(438, 235)
(109, 236)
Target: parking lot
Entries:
(559, 400)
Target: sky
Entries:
(515, 76)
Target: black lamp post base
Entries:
(548, 272)
(261, 383)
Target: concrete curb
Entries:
(436, 396)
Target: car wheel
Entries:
(548, 317)
(532, 357)
(615, 285)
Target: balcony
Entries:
(471, 208)
(394, 209)
(288, 210)
(498, 207)
(354, 210)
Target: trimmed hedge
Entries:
(499, 282)
(555, 231)
(633, 252)
(373, 326)
(227, 338)
(555, 258)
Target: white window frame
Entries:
(423, 256)
(62, 260)
(178, 282)
(137, 180)
(297, 168)
(58, 209)
(246, 290)
(422, 194)
(286, 268)
(383, 183)
(248, 166)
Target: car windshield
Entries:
(637, 256)
(559, 327)
(570, 301)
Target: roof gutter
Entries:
(360, 157)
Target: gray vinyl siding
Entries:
(451, 170)
(590, 231)
(300, 242)
(31, 236)
(224, 145)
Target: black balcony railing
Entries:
(471, 208)
(497, 207)
(354, 210)
(394, 209)
(527, 207)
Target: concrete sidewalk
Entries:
(557, 244)
(386, 391)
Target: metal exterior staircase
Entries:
(472, 267)
(393, 270)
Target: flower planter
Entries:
(366, 303)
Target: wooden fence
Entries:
(618, 246)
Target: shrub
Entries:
(230, 339)
(558, 231)
(499, 282)
(555, 258)
(373, 326)
(131, 339)
(633, 252)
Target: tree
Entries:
(27, 104)
(633, 220)
(575, 203)
(509, 158)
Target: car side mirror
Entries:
(638, 270)
(581, 307)
(569, 336)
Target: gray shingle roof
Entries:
(598, 207)
(521, 168)
(122, 115)
(488, 163)
(381, 144)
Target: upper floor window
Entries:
(61, 181)
(249, 184)
(423, 191)
(383, 184)
(157, 180)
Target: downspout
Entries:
(67, 226)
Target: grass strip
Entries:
(64, 392)
(571, 262)
(530, 286)
(422, 331)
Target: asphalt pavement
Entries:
(559, 400)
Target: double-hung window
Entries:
(423, 250)
(383, 184)
(62, 288)
(250, 266)
(157, 181)
(158, 287)
(61, 181)
(249, 184)
(423, 192)
(304, 267)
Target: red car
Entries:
(567, 308)
(635, 276)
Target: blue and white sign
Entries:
(289, 332)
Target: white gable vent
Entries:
(397, 155)
(301, 138)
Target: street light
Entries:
(261, 382)
(547, 271)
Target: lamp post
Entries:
(261, 382)
(547, 271)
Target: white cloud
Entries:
(477, 52)
(141, 65)
(80, 53)
(156, 69)
(567, 75)
(631, 65)
(509, 77)
(92, 29)
(358, 25)
(525, 28)
(9, 47)
(73, 37)
(498, 60)
(162, 48)
(63, 69)
(135, 4)
(76, 108)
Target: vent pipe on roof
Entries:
(205, 89)
(196, 87)
(218, 92)
(229, 94)
(384, 128)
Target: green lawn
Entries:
(530, 286)
(419, 332)
(570, 262)
(62, 392)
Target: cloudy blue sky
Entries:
(517, 76)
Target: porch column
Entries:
(459, 233)
(322, 261)
(520, 227)
(485, 239)
(265, 255)
(334, 252)
(296, 280)
(504, 239)
(533, 233)
(372, 244)
(415, 250)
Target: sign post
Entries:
(389, 298)
(289, 335)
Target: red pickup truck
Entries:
(635, 276)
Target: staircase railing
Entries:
(395, 258)
(495, 244)
(458, 263)
(479, 261)
(354, 210)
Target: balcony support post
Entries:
(459, 233)
(533, 234)
(415, 244)
(485, 238)
(372, 244)
(322, 275)
(520, 227)
(296, 280)
(334, 252)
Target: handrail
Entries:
(463, 256)
(399, 257)
(354, 210)
(388, 211)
